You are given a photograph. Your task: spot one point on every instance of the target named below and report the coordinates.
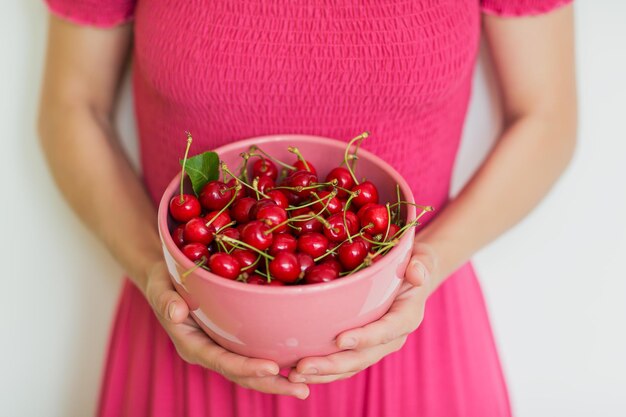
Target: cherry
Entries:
(301, 166)
(184, 207)
(368, 245)
(246, 258)
(393, 231)
(368, 193)
(240, 210)
(285, 267)
(279, 197)
(374, 217)
(217, 219)
(334, 264)
(336, 231)
(259, 205)
(255, 234)
(312, 225)
(256, 279)
(302, 179)
(215, 195)
(265, 184)
(274, 217)
(178, 235)
(352, 254)
(231, 233)
(263, 167)
(195, 251)
(241, 193)
(283, 242)
(224, 265)
(320, 273)
(276, 283)
(330, 205)
(314, 244)
(353, 222)
(344, 180)
(306, 261)
(196, 231)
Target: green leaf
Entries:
(201, 169)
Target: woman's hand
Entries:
(195, 347)
(367, 345)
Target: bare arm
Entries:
(83, 69)
(534, 59)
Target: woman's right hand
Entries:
(195, 347)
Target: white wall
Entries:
(555, 284)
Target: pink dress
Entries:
(233, 69)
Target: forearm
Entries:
(96, 179)
(527, 160)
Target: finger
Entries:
(165, 301)
(342, 363)
(403, 317)
(422, 264)
(277, 385)
(231, 365)
(325, 379)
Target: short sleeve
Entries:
(513, 8)
(100, 13)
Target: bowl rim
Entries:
(184, 262)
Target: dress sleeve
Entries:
(514, 8)
(99, 13)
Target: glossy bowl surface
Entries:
(285, 324)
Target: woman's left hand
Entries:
(367, 345)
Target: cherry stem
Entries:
(397, 210)
(182, 173)
(242, 182)
(252, 265)
(243, 171)
(296, 152)
(424, 208)
(255, 148)
(185, 274)
(317, 200)
(242, 245)
(267, 269)
(348, 201)
(347, 151)
(237, 187)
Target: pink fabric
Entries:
(228, 70)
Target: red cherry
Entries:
(256, 279)
(374, 217)
(344, 180)
(330, 205)
(336, 231)
(215, 195)
(255, 234)
(368, 194)
(393, 231)
(265, 184)
(259, 205)
(314, 244)
(333, 263)
(306, 261)
(312, 225)
(178, 235)
(196, 231)
(352, 254)
(246, 258)
(279, 197)
(276, 283)
(263, 167)
(195, 251)
(368, 245)
(219, 219)
(232, 233)
(185, 210)
(301, 179)
(300, 166)
(320, 273)
(240, 210)
(283, 242)
(272, 215)
(285, 267)
(232, 183)
(224, 265)
(353, 222)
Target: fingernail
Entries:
(347, 343)
(302, 395)
(171, 310)
(419, 267)
(310, 371)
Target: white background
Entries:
(556, 284)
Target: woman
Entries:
(229, 70)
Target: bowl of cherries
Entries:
(279, 243)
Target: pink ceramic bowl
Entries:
(285, 324)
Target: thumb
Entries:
(164, 299)
(421, 265)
